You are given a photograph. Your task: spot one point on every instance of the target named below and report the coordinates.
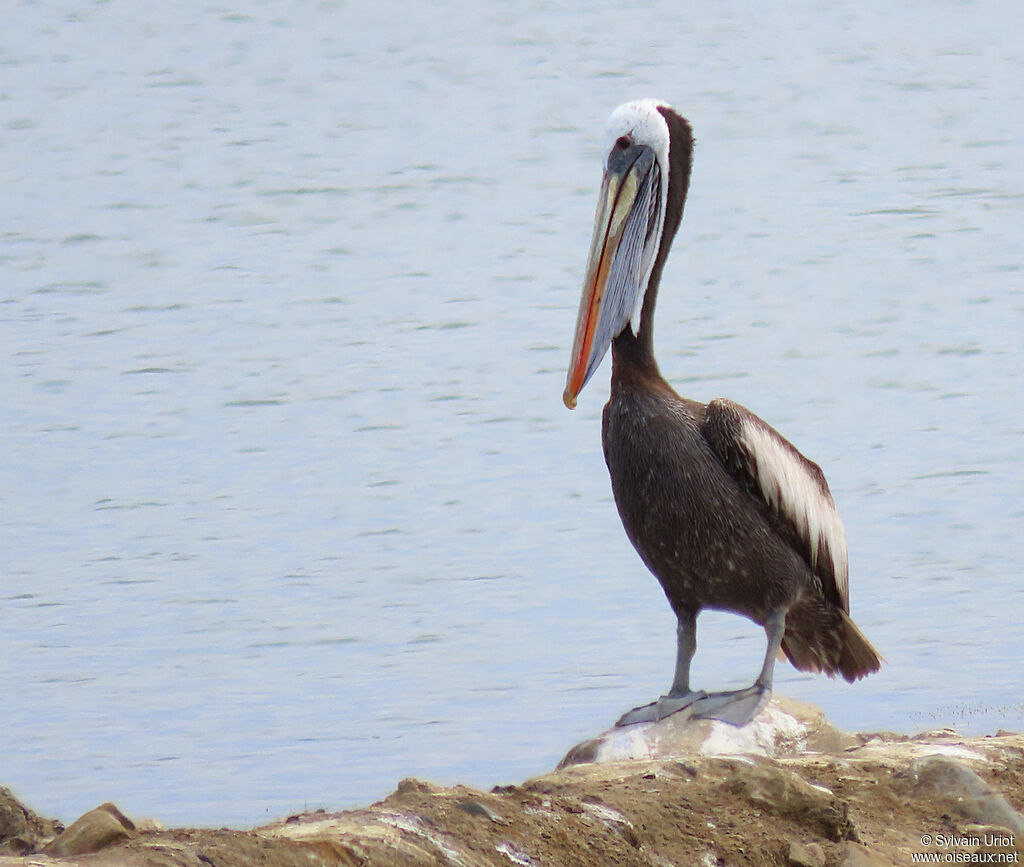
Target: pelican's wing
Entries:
(793, 487)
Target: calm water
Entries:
(291, 505)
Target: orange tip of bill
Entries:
(569, 399)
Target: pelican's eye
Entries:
(622, 142)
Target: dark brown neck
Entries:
(633, 355)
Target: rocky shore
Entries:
(788, 789)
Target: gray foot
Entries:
(663, 707)
(737, 707)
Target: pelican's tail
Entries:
(822, 638)
(857, 658)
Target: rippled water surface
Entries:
(291, 505)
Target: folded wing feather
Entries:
(792, 486)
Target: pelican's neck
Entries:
(633, 354)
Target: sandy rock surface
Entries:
(787, 790)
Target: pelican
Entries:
(725, 512)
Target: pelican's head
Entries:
(628, 230)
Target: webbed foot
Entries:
(737, 707)
(663, 707)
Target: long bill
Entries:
(627, 230)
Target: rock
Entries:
(475, 808)
(12, 815)
(805, 855)
(855, 855)
(784, 793)
(22, 831)
(940, 776)
(95, 830)
(411, 785)
(1004, 847)
(612, 818)
(785, 727)
(13, 820)
(150, 824)
(779, 790)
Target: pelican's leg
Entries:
(740, 706)
(686, 647)
(679, 695)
